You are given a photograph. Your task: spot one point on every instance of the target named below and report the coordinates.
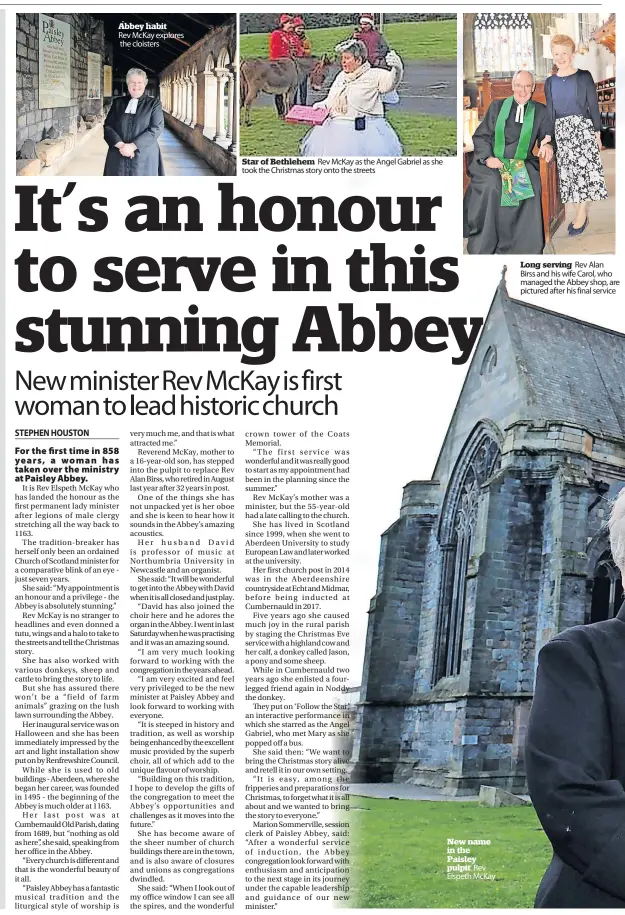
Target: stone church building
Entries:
(503, 548)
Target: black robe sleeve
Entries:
(484, 136)
(111, 137)
(545, 126)
(568, 758)
(155, 128)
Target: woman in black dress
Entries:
(131, 130)
(574, 115)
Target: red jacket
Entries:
(377, 47)
(279, 45)
(301, 46)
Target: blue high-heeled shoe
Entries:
(574, 231)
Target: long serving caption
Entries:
(570, 277)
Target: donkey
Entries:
(279, 77)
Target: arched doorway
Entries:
(607, 589)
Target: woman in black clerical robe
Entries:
(131, 130)
(490, 227)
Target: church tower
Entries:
(503, 548)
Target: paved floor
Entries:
(403, 792)
(427, 88)
(178, 158)
(599, 237)
(88, 159)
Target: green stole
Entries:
(515, 180)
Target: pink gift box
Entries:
(305, 114)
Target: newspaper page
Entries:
(312, 596)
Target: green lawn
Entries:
(431, 40)
(399, 854)
(420, 134)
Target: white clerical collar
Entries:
(131, 107)
(520, 111)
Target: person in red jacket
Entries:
(281, 45)
(377, 47)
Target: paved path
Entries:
(402, 792)
(427, 88)
(178, 158)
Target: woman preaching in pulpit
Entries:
(131, 130)
(502, 204)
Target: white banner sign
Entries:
(55, 39)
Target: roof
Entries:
(574, 371)
(184, 30)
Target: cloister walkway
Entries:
(178, 158)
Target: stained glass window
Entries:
(504, 43)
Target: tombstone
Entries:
(497, 797)
(27, 150)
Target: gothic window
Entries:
(586, 25)
(480, 461)
(489, 361)
(607, 589)
(504, 43)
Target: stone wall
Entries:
(392, 637)
(32, 121)
(530, 576)
(199, 95)
(538, 554)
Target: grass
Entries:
(399, 854)
(420, 134)
(430, 40)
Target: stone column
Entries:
(468, 47)
(220, 112)
(189, 108)
(193, 118)
(230, 128)
(210, 105)
(187, 99)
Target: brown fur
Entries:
(279, 77)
